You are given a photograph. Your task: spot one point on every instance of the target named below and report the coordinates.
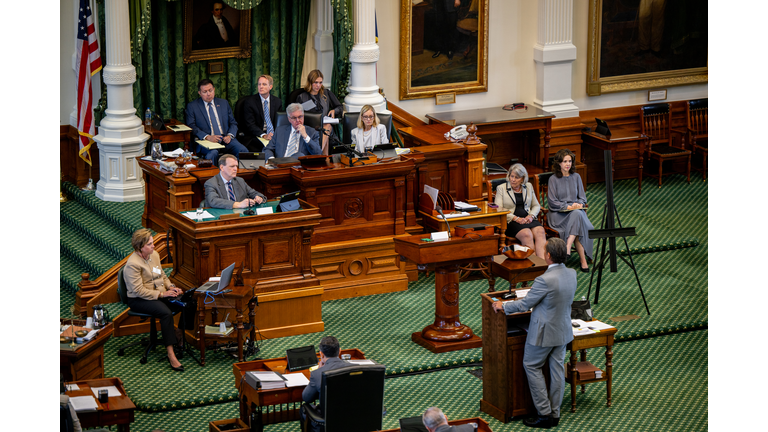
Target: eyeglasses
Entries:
(296, 118)
(368, 117)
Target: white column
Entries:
(363, 89)
(324, 40)
(121, 134)
(554, 55)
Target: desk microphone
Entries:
(440, 210)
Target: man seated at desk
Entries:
(549, 332)
(329, 360)
(211, 119)
(227, 190)
(435, 421)
(293, 140)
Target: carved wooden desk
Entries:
(627, 150)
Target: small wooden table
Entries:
(447, 333)
(626, 147)
(86, 360)
(168, 136)
(581, 343)
(260, 402)
(515, 271)
(117, 411)
(237, 298)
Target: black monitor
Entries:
(301, 357)
(602, 127)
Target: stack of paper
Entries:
(265, 380)
(462, 206)
(297, 379)
(362, 362)
(215, 330)
(112, 391)
(83, 403)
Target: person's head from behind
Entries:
(556, 251)
(564, 160)
(368, 118)
(432, 418)
(314, 83)
(295, 114)
(206, 90)
(329, 347)
(228, 166)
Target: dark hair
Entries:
(204, 82)
(558, 159)
(329, 346)
(556, 250)
(223, 5)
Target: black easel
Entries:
(608, 232)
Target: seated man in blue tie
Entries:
(261, 111)
(211, 119)
(227, 190)
(293, 140)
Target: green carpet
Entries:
(660, 384)
(670, 252)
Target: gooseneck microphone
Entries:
(440, 210)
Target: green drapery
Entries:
(343, 40)
(165, 84)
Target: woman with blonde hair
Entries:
(326, 103)
(369, 132)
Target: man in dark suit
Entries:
(227, 190)
(549, 332)
(446, 17)
(256, 123)
(435, 421)
(217, 32)
(211, 119)
(293, 140)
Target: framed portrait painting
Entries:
(646, 44)
(443, 47)
(213, 30)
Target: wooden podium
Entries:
(274, 250)
(447, 333)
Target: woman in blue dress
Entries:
(567, 202)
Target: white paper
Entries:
(174, 154)
(264, 210)
(112, 391)
(441, 235)
(361, 362)
(83, 403)
(432, 192)
(400, 151)
(214, 278)
(598, 325)
(460, 205)
(522, 292)
(308, 105)
(330, 120)
(454, 215)
(193, 215)
(582, 331)
(71, 387)
(295, 380)
(267, 376)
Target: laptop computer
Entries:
(301, 357)
(251, 160)
(214, 287)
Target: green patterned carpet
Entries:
(670, 252)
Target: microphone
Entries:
(440, 210)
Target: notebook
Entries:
(214, 287)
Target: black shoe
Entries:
(585, 269)
(450, 55)
(177, 369)
(436, 54)
(543, 422)
(554, 421)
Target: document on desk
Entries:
(112, 391)
(454, 215)
(174, 154)
(179, 128)
(330, 120)
(597, 325)
(193, 215)
(295, 379)
(84, 403)
(209, 145)
(521, 293)
(361, 362)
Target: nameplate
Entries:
(442, 235)
(264, 210)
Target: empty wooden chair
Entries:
(656, 125)
(696, 135)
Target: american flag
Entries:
(88, 63)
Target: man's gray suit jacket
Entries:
(216, 194)
(550, 297)
(312, 390)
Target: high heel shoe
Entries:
(585, 269)
(177, 369)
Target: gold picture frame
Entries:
(435, 75)
(600, 11)
(201, 41)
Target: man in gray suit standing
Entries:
(227, 190)
(549, 332)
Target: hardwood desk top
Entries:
(83, 349)
(431, 134)
(117, 411)
(484, 213)
(442, 252)
(618, 134)
(490, 115)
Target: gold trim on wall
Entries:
(597, 85)
(478, 86)
(243, 50)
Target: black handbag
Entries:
(581, 309)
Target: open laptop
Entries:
(301, 357)
(214, 287)
(251, 160)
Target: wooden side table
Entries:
(168, 136)
(580, 344)
(117, 411)
(86, 361)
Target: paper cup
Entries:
(89, 322)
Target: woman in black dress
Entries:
(326, 103)
(518, 196)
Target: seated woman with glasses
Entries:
(369, 132)
(326, 103)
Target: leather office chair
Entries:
(349, 122)
(656, 125)
(294, 95)
(696, 113)
(351, 400)
(152, 341)
(245, 138)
